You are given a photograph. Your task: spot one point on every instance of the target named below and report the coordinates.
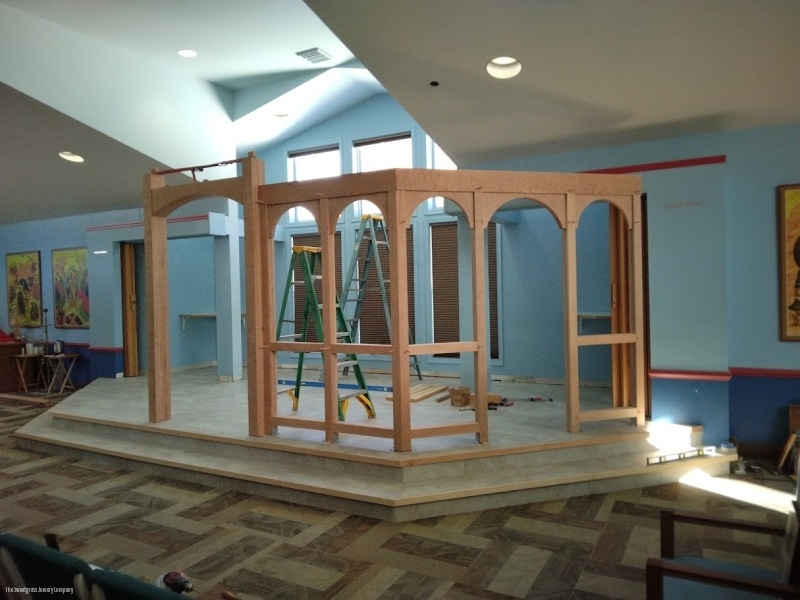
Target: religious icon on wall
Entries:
(789, 253)
(24, 289)
(71, 288)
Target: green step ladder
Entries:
(307, 258)
(371, 231)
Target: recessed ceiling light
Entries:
(71, 157)
(187, 53)
(503, 67)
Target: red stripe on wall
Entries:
(691, 375)
(141, 223)
(756, 372)
(661, 166)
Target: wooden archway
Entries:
(159, 201)
(397, 192)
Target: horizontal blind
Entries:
(444, 265)
(491, 267)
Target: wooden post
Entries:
(571, 374)
(158, 363)
(397, 222)
(479, 323)
(327, 233)
(638, 310)
(260, 369)
(620, 249)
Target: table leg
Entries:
(21, 370)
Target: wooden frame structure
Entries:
(397, 193)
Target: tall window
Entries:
(438, 159)
(444, 275)
(312, 164)
(392, 152)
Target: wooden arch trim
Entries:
(159, 201)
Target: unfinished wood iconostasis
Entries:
(397, 193)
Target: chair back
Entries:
(113, 585)
(45, 568)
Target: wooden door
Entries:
(130, 338)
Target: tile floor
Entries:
(588, 548)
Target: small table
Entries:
(59, 369)
(22, 368)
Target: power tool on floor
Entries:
(175, 581)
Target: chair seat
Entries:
(682, 589)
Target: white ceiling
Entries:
(102, 78)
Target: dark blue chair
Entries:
(694, 577)
(113, 585)
(44, 568)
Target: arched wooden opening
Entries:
(397, 193)
(161, 200)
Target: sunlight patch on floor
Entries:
(743, 491)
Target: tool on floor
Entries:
(177, 581)
(305, 260)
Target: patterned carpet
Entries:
(584, 548)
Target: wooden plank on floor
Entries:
(423, 391)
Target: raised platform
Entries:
(529, 457)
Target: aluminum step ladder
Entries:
(371, 236)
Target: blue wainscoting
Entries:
(687, 398)
(759, 404)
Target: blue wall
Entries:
(713, 273)
(191, 275)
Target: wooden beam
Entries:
(158, 362)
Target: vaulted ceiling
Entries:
(102, 78)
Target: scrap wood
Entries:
(787, 448)
(423, 391)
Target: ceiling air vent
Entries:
(314, 55)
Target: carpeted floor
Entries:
(592, 547)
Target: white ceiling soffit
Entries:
(102, 78)
(314, 101)
(594, 72)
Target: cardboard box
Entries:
(463, 397)
(459, 396)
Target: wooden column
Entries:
(571, 375)
(619, 262)
(258, 253)
(158, 363)
(327, 233)
(479, 323)
(397, 222)
(637, 253)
